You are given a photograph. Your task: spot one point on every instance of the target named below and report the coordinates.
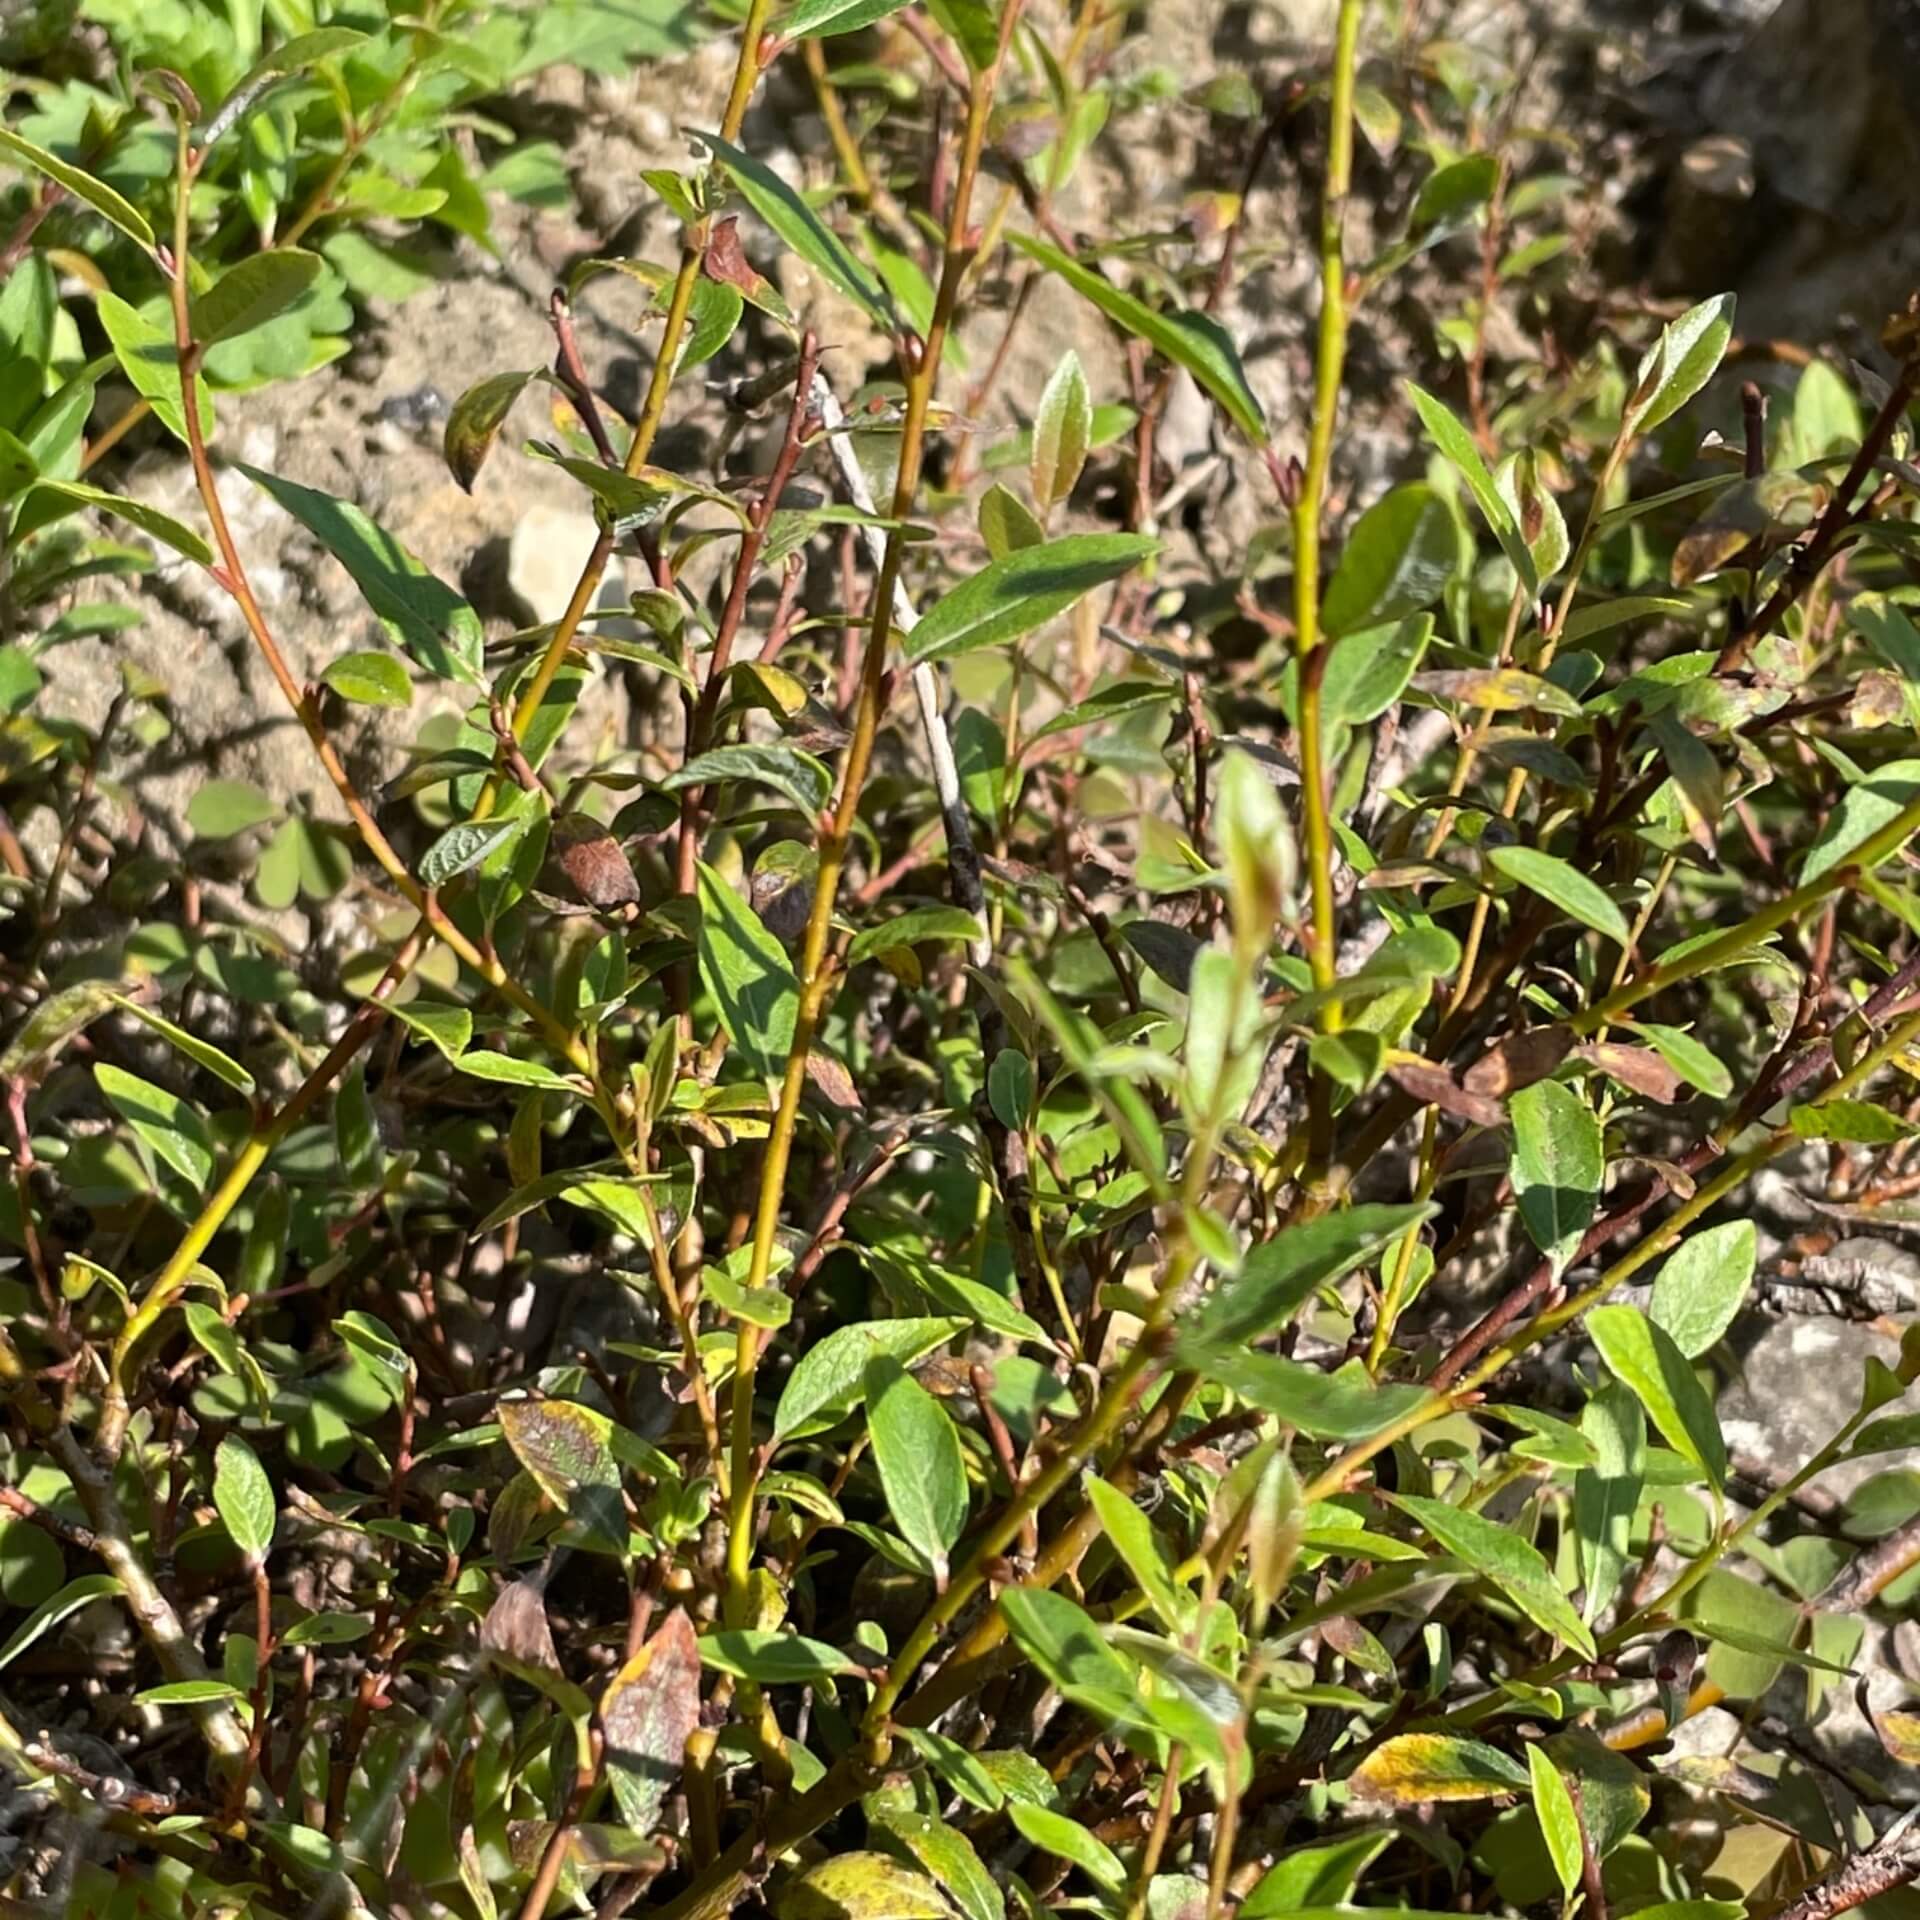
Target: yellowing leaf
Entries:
(646, 1714)
(861, 1886)
(1415, 1767)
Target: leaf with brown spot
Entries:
(1518, 1061)
(649, 1709)
(726, 260)
(475, 422)
(1435, 1087)
(568, 1450)
(860, 1886)
(830, 1079)
(1639, 1069)
(516, 1630)
(591, 863)
(1414, 1768)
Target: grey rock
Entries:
(1798, 1384)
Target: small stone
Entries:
(545, 558)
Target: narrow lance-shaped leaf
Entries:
(800, 228)
(1015, 596)
(1513, 1565)
(1559, 1822)
(475, 420)
(1414, 1767)
(1642, 1356)
(1062, 431)
(649, 1708)
(422, 613)
(1565, 887)
(1607, 1495)
(1457, 444)
(748, 974)
(103, 199)
(831, 1376)
(1679, 363)
(251, 292)
(1195, 341)
(150, 520)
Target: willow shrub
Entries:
(1011, 1275)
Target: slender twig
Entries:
(1308, 505)
(815, 977)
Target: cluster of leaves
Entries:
(865, 1310)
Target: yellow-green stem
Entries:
(816, 976)
(1329, 365)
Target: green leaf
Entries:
(1857, 1122)
(829, 1378)
(1281, 1275)
(149, 359)
(189, 1693)
(799, 227)
(958, 1766)
(920, 1465)
(1643, 1358)
(422, 613)
(1558, 1162)
(172, 1128)
(911, 928)
(150, 520)
(1415, 1767)
(506, 1069)
(1688, 1058)
(818, 19)
(1699, 1290)
(772, 1658)
(222, 808)
(1864, 809)
(1606, 1496)
(1512, 1564)
(1188, 338)
(448, 1028)
(108, 204)
(1457, 444)
(463, 846)
(748, 974)
(328, 1630)
(369, 680)
(1399, 555)
(1559, 1823)
(1062, 432)
(1013, 597)
(1679, 363)
(243, 1496)
(949, 1859)
(474, 422)
(203, 1053)
(51, 1611)
(251, 292)
(1343, 1405)
(1056, 1834)
(1321, 1875)
(804, 780)
(1139, 1547)
(1562, 886)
